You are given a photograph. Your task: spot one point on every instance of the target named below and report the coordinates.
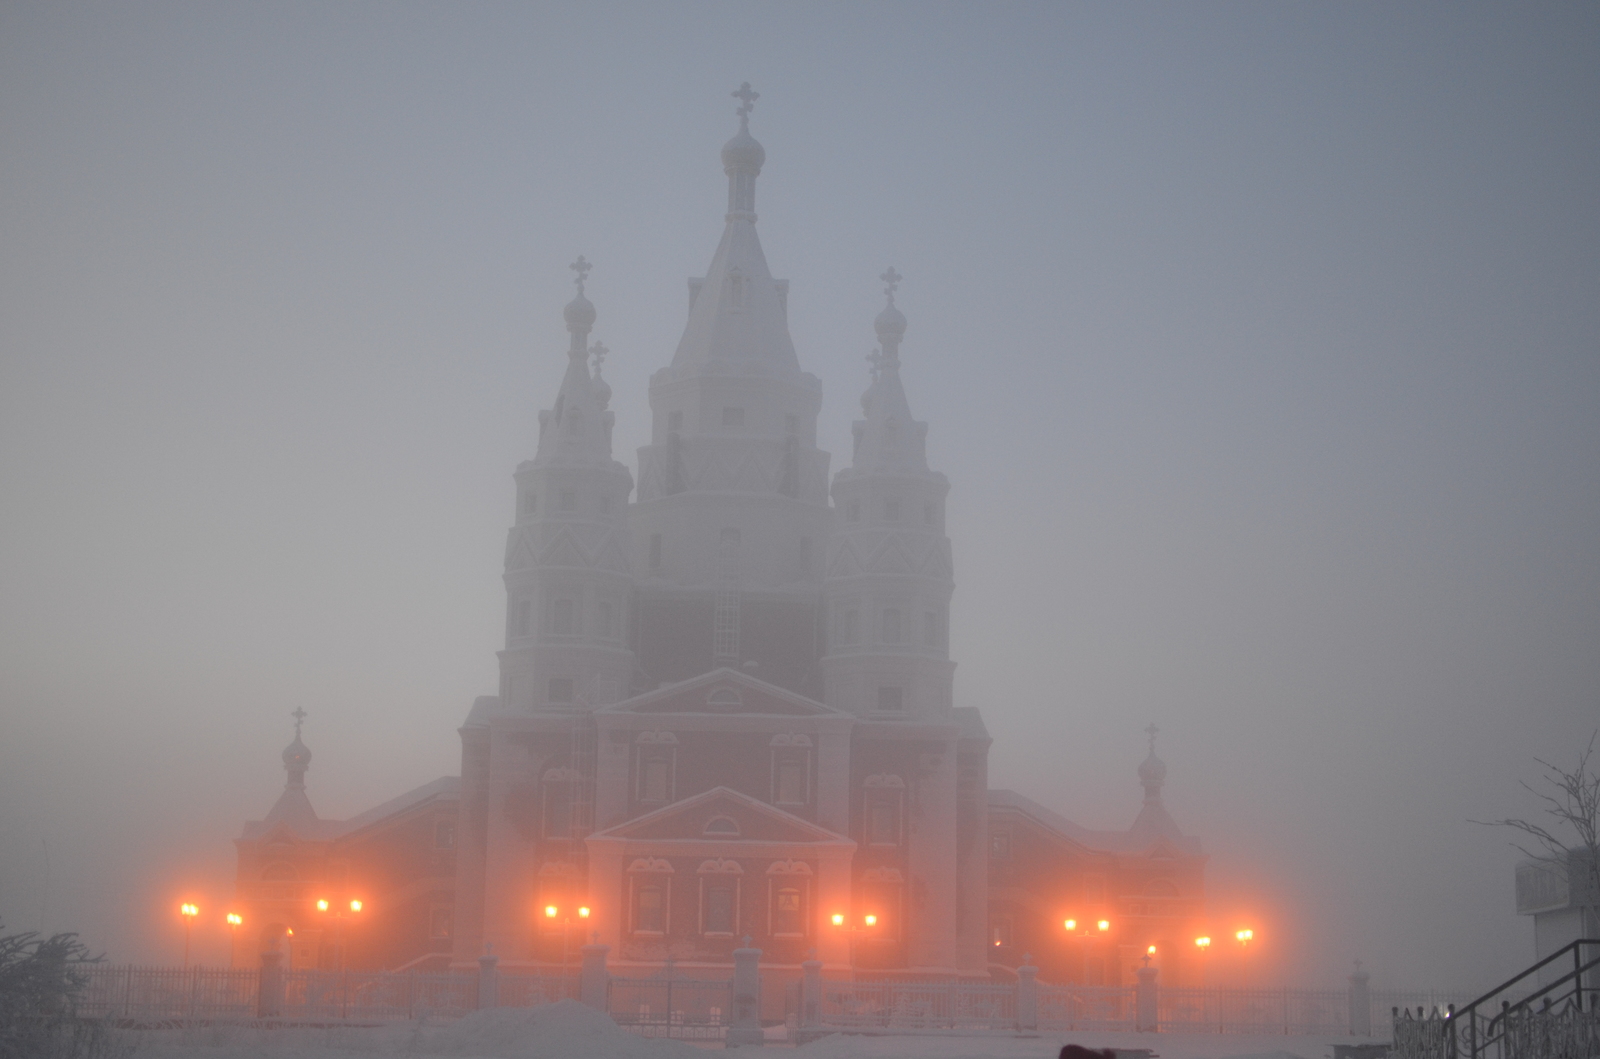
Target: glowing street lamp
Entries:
(188, 911)
(1070, 924)
(1103, 926)
(1244, 937)
(1151, 951)
(326, 907)
(1202, 943)
(550, 914)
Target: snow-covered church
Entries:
(725, 710)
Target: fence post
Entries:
(1360, 1004)
(488, 980)
(1147, 1001)
(811, 991)
(269, 986)
(593, 978)
(1027, 995)
(746, 988)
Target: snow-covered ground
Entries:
(571, 1031)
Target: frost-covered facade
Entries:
(725, 704)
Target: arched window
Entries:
(649, 907)
(787, 912)
(722, 827)
(562, 619)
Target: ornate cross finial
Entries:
(598, 352)
(299, 715)
(581, 267)
(875, 359)
(748, 100)
(1151, 730)
(892, 278)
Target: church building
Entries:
(725, 710)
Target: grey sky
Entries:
(1259, 343)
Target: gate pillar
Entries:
(592, 984)
(1027, 995)
(1146, 1000)
(746, 990)
(269, 986)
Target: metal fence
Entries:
(914, 1006)
(1086, 1007)
(152, 994)
(669, 1006)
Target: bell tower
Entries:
(568, 587)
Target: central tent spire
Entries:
(738, 319)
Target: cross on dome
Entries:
(598, 352)
(581, 267)
(747, 98)
(875, 359)
(1151, 730)
(299, 716)
(892, 278)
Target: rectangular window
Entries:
(655, 551)
(1000, 934)
(655, 778)
(563, 617)
(883, 820)
(560, 689)
(444, 834)
(791, 779)
(999, 845)
(569, 500)
(524, 617)
(733, 417)
(891, 700)
(649, 907)
(788, 911)
(719, 909)
(557, 810)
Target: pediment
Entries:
(723, 691)
(721, 815)
(563, 551)
(891, 558)
(845, 562)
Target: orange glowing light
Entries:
(550, 911)
(188, 911)
(1104, 924)
(871, 921)
(1151, 951)
(322, 904)
(838, 920)
(288, 932)
(1070, 924)
(355, 906)
(583, 913)
(1203, 943)
(234, 919)
(1244, 936)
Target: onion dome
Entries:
(743, 151)
(891, 323)
(579, 312)
(1152, 771)
(297, 756)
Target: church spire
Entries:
(887, 439)
(742, 158)
(293, 807)
(578, 429)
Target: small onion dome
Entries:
(890, 322)
(743, 152)
(1152, 771)
(579, 314)
(297, 756)
(602, 390)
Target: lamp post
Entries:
(234, 919)
(339, 913)
(1100, 928)
(550, 914)
(188, 910)
(868, 923)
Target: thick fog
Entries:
(1259, 343)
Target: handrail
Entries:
(1571, 946)
(1497, 1026)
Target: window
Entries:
(524, 617)
(562, 621)
(530, 502)
(890, 631)
(560, 689)
(722, 826)
(932, 628)
(883, 820)
(891, 511)
(440, 923)
(444, 834)
(649, 908)
(791, 780)
(891, 700)
(733, 417)
(787, 912)
(655, 777)
(674, 421)
(852, 511)
(1000, 844)
(568, 500)
(1000, 933)
(655, 551)
(605, 618)
(557, 809)
(718, 910)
